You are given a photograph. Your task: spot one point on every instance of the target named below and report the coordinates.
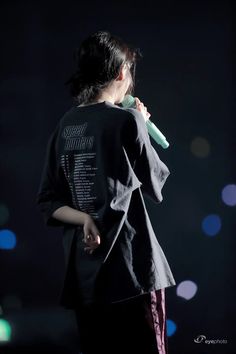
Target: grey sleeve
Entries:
(148, 167)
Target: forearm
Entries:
(70, 215)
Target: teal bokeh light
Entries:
(5, 330)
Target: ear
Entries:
(121, 75)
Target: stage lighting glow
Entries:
(186, 289)
(171, 327)
(5, 330)
(211, 224)
(229, 194)
(200, 147)
(7, 239)
(4, 214)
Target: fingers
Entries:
(91, 230)
(91, 237)
(143, 109)
(88, 250)
(139, 104)
(92, 242)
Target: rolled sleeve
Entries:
(148, 167)
(53, 191)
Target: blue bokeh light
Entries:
(171, 327)
(7, 239)
(211, 224)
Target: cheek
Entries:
(129, 86)
(128, 83)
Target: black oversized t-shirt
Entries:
(100, 160)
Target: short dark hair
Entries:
(98, 62)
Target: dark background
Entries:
(186, 80)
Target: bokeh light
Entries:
(200, 147)
(4, 214)
(5, 330)
(186, 289)
(7, 239)
(211, 224)
(229, 194)
(171, 327)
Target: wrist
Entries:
(85, 218)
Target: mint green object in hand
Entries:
(130, 102)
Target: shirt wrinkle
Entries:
(101, 161)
